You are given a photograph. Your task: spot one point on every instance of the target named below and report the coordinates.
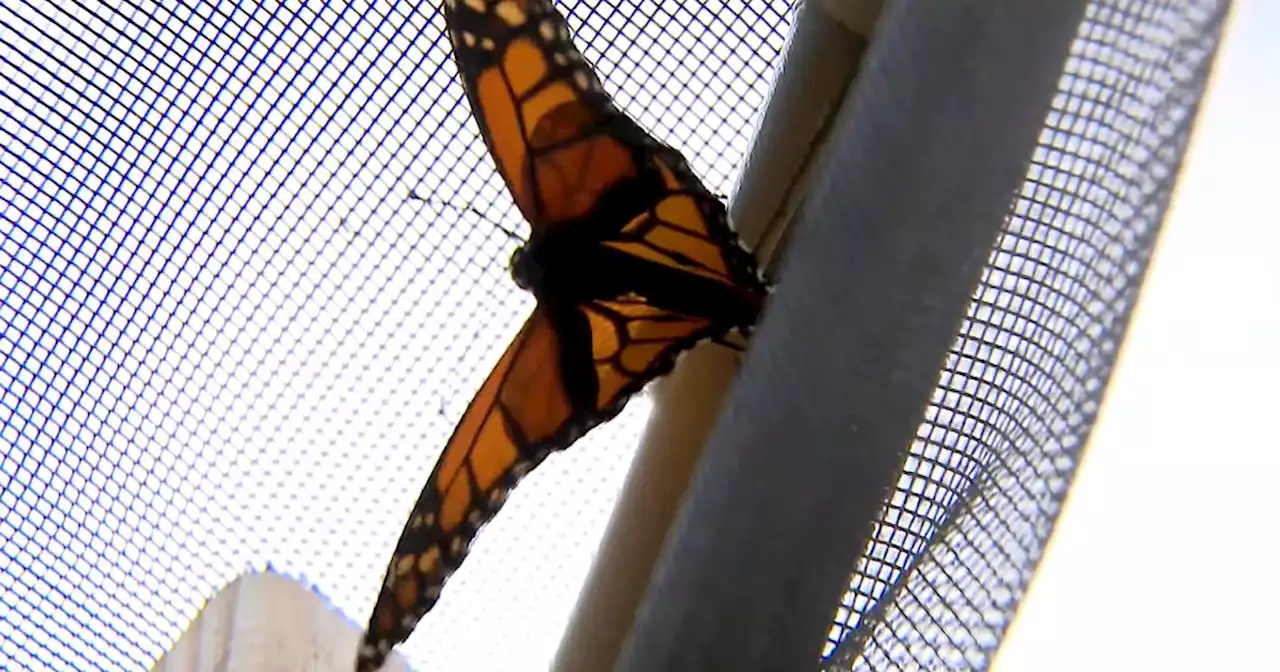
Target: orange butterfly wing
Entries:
(564, 150)
(522, 412)
(482, 459)
(540, 107)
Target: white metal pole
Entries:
(821, 61)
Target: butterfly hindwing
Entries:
(687, 229)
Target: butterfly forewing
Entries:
(522, 412)
(520, 408)
(540, 107)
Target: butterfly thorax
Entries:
(568, 260)
(565, 269)
(569, 270)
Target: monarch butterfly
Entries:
(631, 260)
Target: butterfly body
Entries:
(631, 261)
(578, 270)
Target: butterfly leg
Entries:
(724, 342)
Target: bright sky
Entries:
(240, 342)
(1162, 558)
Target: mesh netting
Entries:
(986, 477)
(252, 274)
(253, 270)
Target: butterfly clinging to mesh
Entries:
(631, 260)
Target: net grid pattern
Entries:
(252, 275)
(983, 484)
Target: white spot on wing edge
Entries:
(510, 13)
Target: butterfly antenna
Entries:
(432, 200)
